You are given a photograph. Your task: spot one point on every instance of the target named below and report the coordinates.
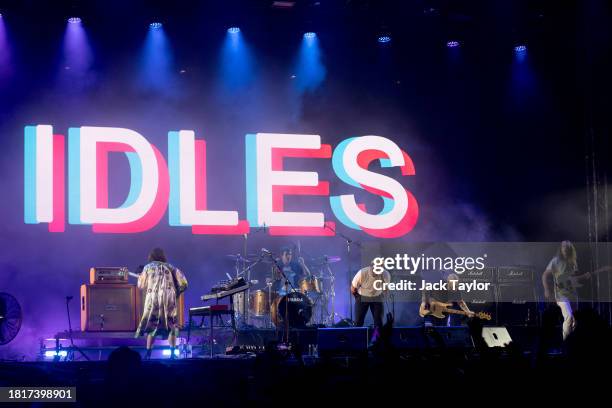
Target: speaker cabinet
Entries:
(496, 336)
(343, 341)
(517, 304)
(108, 307)
(435, 337)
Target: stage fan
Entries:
(10, 318)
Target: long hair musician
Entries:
(162, 283)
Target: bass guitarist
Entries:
(448, 296)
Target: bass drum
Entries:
(297, 306)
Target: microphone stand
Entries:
(349, 242)
(72, 346)
(287, 285)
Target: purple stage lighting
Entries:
(452, 44)
(77, 54)
(5, 53)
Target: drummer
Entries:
(295, 271)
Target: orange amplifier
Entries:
(108, 274)
(109, 307)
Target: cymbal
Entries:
(325, 259)
(238, 258)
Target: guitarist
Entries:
(450, 295)
(561, 268)
(367, 297)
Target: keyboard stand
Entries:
(211, 312)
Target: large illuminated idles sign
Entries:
(179, 187)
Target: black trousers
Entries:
(375, 305)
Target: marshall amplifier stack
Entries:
(109, 302)
(516, 296)
(482, 301)
(512, 298)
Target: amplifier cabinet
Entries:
(515, 274)
(487, 274)
(109, 307)
(108, 275)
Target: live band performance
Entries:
(279, 203)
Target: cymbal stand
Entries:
(332, 293)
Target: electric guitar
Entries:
(574, 282)
(440, 310)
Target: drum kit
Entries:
(264, 305)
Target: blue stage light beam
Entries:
(236, 61)
(156, 70)
(310, 71)
(524, 85)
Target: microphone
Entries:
(228, 276)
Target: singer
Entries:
(162, 284)
(367, 287)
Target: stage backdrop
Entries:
(406, 142)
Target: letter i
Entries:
(44, 177)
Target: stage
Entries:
(294, 202)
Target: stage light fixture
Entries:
(166, 352)
(310, 34)
(383, 39)
(520, 48)
(156, 25)
(74, 20)
(453, 44)
(233, 30)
